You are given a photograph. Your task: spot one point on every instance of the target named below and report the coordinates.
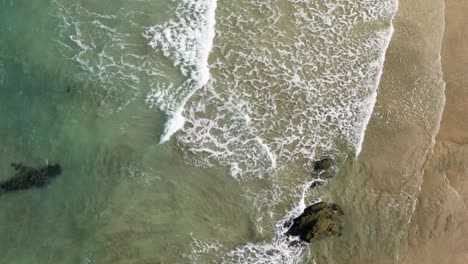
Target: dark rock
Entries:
(296, 243)
(317, 221)
(322, 167)
(323, 164)
(27, 177)
(316, 183)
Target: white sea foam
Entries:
(283, 93)
(187, 40)
(373, 97)
(289, 83)
(278, 250)
(271, 156)
(201, 248)
(176, 122)
(107, 54)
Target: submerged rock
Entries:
(317, 221)
(322, 167)
(316, 183)
(27, 177)
(323, 164)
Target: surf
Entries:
(290, 83)
(187, 40)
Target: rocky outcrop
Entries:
(322, 171)
(27, 177)
(323, 164)
(317, 221)
(322, 168)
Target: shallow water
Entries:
(171, 156)
(122, 197)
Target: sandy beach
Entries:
(440, 222)
(269, 102)
(423, 157)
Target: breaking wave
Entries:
(187, 40)
(282, 83)
(291, 81)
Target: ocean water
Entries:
(186, 129)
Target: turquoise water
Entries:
(122, 197)
(98, 86)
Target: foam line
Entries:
(373, 98)
(188, 41)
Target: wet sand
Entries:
(380, 191)
(411, 158)
(440, 222)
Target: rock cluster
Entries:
(322, 168)
(322, 171)
(317, 221)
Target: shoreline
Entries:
(400, 135)
(418, 129)
(441, 217)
